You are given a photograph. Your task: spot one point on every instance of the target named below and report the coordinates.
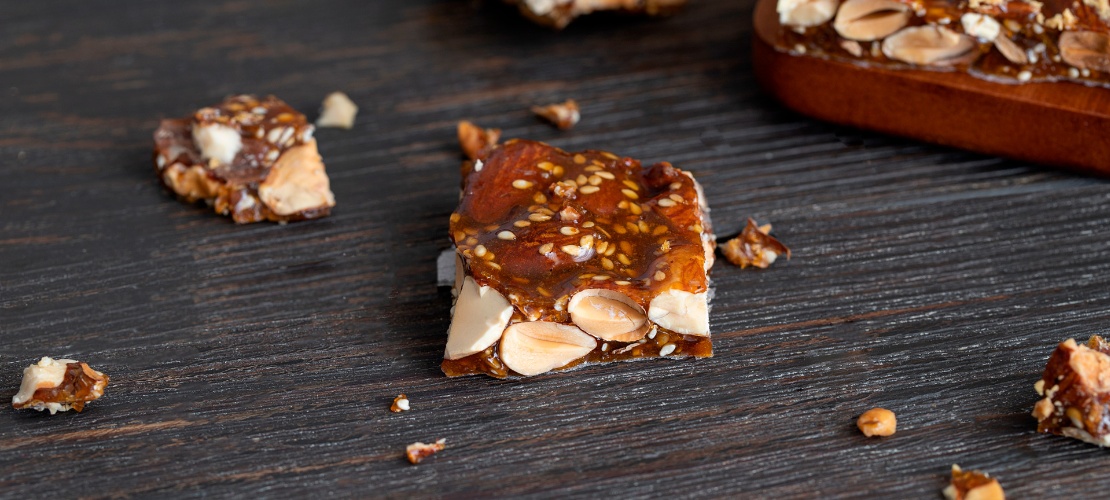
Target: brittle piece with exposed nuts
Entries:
(754, 247)
(563, 115)
(1076, 392)
(473, 138)
(400, 404)
(253, 159)
(574, 258)
(59, 385)
(559, 13)
(417, 452)
(973, 485)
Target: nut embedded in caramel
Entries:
(608, 315)
(867, 20)
(59, 385)
(480, 316)
(563, 115)
(1076, 390)
(754, 246)
(930, 46)
(417, 452)
(472, 139)
(535, 347)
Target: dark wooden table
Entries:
(261, 360)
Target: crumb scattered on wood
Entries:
(754, 247)
(337, 111)
(973, 485)
(473, 138)
(877, 422)
(563, 115)
(400, 404)
(417, 452)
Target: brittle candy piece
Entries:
(973, 485)
(59, 385)
(559, 13)
(572, 258)
(1076, 390)
(563, 115)
(417, 452)
(754, 247)
(253, 159)
(473, 138)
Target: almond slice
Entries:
(1086, 49)
(805, 13)
(930, 46)
(297, 182)
(480, 315)
(535, 347)
(681, 311)
(867, 20)
(608, 315)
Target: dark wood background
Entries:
(261, 360)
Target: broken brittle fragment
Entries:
(253, 159)
(417, 452)
(1076, 392)
(563, 115)
(973, 485)
(473, 138)
(337, 111)
(754, 247)
(559, 13)
(59, 385)
(572, 258)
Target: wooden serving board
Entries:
(1061, 124)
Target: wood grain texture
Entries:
(261, 360)
(1056, 123)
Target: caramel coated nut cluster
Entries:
(252, 159)
(973, 485)
(754, 247)
(417, 452)
(59, 385)
(563, 115)
(1015, 40)
(1075, 390)
(570, 258)
(559, 13)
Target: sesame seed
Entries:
(272, 155)
(539, 217)
(260, 132)
(644, 228)
(594, 180)
(622, 282)
(609, 251)
(568, 230)
(659, 230)
(471, 240)
(620, 229)
(588, 224)
(675, 186)
(259, 110)
(545, 166)
(522, 223)
(579, 159)
(459, 236)
(589, 189)
(455, 216)
(546, 248)
(677, 198)
(495, 265)
(274, 134)
(506, 235)
(666, 350)
(609, 155)
(632, 227)
(631, 185)
(626, 247)
(478, 165)
(665, 202)
(623, 204)
(586, 241)
(522, 184)
(630, 193)
(1024, 76)
(651, 334)
(602, 246)
(491, 227)
(660, 275)
(607, 264)
(539, 198)
(161, 161)
(624, 259)
(581, 180)
(570, 250)
(635, 208)
(606, 175)
(307, 134)
(605, 347)
(479, 251)
(600, 277)
(488, 255)
(1072, 72)
(557, 171)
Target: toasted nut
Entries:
(217, 142)
(564, 116)
(805, 13)
(400, 404)
(472, 138)
(930, 46)
(877, 422)
(535, 347)
(1086, 49)
(297, 182)
(337, 111)
(754, 247)
(681, 311)
(480, 316)
(1010, 50)
(417, 452)
(866, 20)
(59, 385)
(608, 315)
(983, 27)
(973, 485)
